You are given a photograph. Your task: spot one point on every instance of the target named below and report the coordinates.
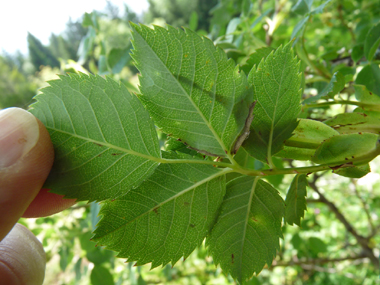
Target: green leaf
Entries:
(316, 245)
(231, 28)
(246, 7)
(310, 134)
(260, 18)
(193, 22)
(276, 83)
(117, 58)
(349, 123)
(190, 88)
(302, 7)
(354, 172)
(246, 235)
(344, 147)
(357, 52)
(244, 159)
(104, 141)
(363, 95)
(101, 276)
(256, 57)
(165, 218)
(319, 9)
(295, 202)
(86, 45)
(299, 26)
(335, 85)
(372, 42)
(296, 153)
(306, 138)
(369, 76)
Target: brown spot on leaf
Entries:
(97, 144)
(156, 210)
(114, 154)
(232, 258)
(192, 225)
(186, 203)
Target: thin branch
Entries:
(365, 206)
(361, 240)
(296, 261)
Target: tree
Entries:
(39, 54)
(178, 12)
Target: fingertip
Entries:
(22, 258)
(46, 204)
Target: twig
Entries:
(297, 261)
(365, 206)
(362, 241)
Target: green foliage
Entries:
(276, 82)
(158, 214)
(188, 91)
(99, 134)
(226, 113)
(295, 202)
(166, 217)
(39, 54)
(246, 235)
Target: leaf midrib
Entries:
(257, 178)
(218, 139)
(199, 183)
(108, 145)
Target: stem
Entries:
(294, 170)
(374, 107)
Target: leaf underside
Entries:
(166, 217)
(276, 82)
(190, 88)
(104, 141)
(296, 200)
(246, 235)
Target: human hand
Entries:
(26, 157)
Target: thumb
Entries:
(26, 156)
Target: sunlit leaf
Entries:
(246, 235)
(166, 217)
(104, 141)
(276, 81)
(190, 88)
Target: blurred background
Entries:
(42, 39)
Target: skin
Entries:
(26, 157)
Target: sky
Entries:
(43, 17)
